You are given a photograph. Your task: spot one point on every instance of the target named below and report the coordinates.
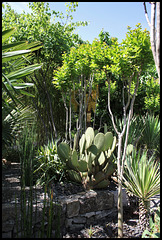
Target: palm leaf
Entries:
(23, 72)
(19, 73)
(7, 33)
(12, 45)
(12, 85)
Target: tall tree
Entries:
(154, 32)
(127, 61)
(133, 57)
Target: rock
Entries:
(103, 214)
(79, 219)
(73, 208)
(7, 235)
(104, 200)
(88, 215)
(88, 202)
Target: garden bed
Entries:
(81, 213)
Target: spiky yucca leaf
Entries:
(142, 179)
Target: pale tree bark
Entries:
(154, 32)
(66, 108)
(70, 120)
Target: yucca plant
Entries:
(151, 133)
(142, 179)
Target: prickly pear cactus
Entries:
(92, 164)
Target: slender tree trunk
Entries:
(120, 202)
(66, 109)
(85, 104)
(158, 40)
(81, 106)
(70, 120)
(79, 120)
(154, 32)
(120, 161)
(95, 106)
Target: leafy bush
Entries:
(48, 165)
(152, 98)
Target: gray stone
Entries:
(104, 213)
(79, 219)
(7, 235)
(88, 215)
(91, 220)
(76, 227)
(73, 208)
(104, 200)
(88, 202)
(68, 222)
(7, 227)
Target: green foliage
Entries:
(152, 98)
(151, 133)
(136, 50)
(48, 166)
(154, 226)
(56, 33)
(55, 36)
(92, 164)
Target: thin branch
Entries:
(70, 119)
(112, 117)
(128, 122)
(66, 108)
(128, 90)
(124, 113)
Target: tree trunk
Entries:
(158, 40)
(154, 33)
(120, 162)
(66, 108)
(70, 120)
(144, 209)
(120, 202)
